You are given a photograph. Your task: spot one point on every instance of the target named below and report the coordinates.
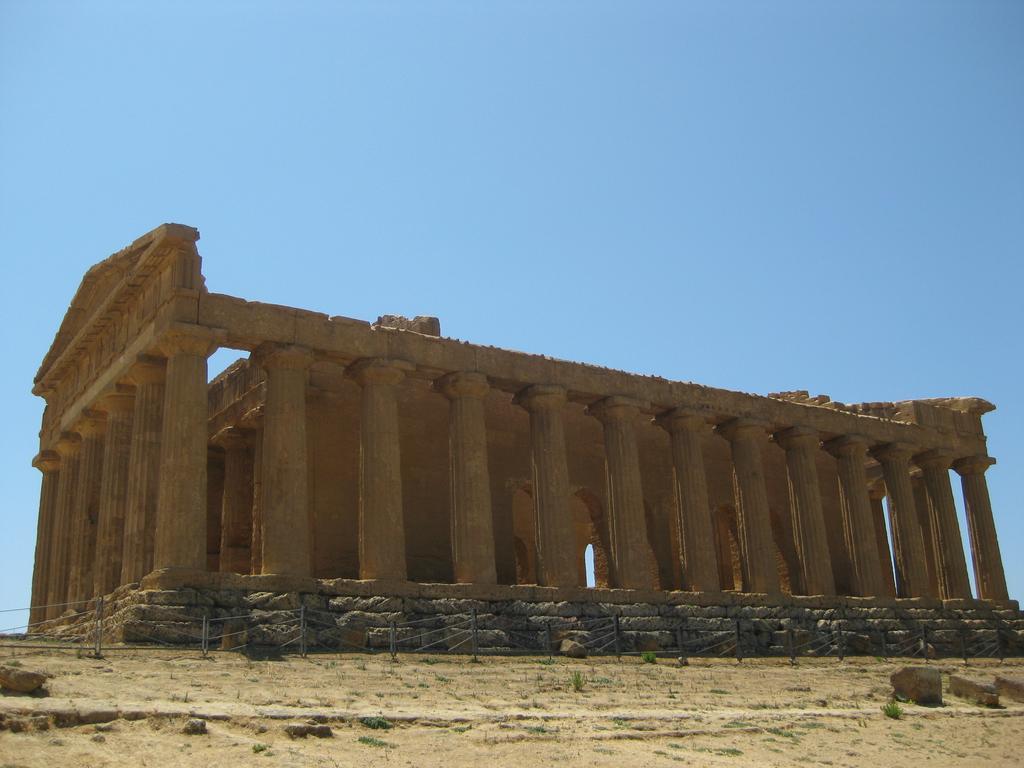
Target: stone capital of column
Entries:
(934, 459)
(847, 445)
(183, 339)
(463, 384)
(797, 437)
(91, 423)
(380, 370)
(892, 451)
(742, 429)
(120, 400)
(683, 420)
(147, 369)
(253, 418)
(973, 465)
(616, 408)
(539, 397)
(68, 444)
(282, 356)
(47, 461)
(232, 439)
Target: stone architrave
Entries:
(632, 561)
(556, 565)
(85, 519)
(908, 543)
(693, 510)
(113, 502)
(181, 500)
(285, 476)
(802, 446)
(472, 528)
(753, 515)
(68, 447)
(148, 375)
(950, 563)
(48, 463)
(236, 509)
(381, 516)
(988, 563)
(876, 495)
(858, 527)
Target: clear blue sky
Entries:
(759, 196)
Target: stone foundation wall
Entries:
(359, 616)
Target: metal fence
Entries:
(307, 630)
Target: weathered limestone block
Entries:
(21, 680)
(922, 685)
(1012, 687)
(572, 649)
(977, 691)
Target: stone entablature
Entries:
(384, 451)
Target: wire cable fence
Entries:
(107, 626)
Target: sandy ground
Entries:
(449, 711)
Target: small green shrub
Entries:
(892, 709)
(372, 742)
(377, 723)
(649, 657)
(257, 748)
(576, 678)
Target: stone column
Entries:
(256, 550)
(924, 520)
(148, 376)
(381, 519)
(907, 540)
(556, 562)
(632, 561)
(858, 527)
(471, 520)
(693, 510)
(236, 512)
(753, 516)
(47, 462)
(802, 446)
(181, 500)
(113, 502)
(69, 449)
(285, 476)
(876, 495)
(988, 563)
(950, 563)
(85, 516)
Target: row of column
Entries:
(125, 493)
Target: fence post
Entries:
(393, 640)
(841, 644)
(792, 646)
(206, 635)
(98, 650)
(963, 644)
(739, 649)
(615, 629)
(1000, 649)
(302, 631)
(547, 638)
(885, 644)
(679, 639)
(924, 643)
(476, 644)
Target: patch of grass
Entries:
(13, 663)
(540, 729)
(729, 752)
(370, 741)
(546, 662)
(377, 723)
(649, 657)
(461, 728)
(428, 660)
(782, 732)
(892, 709)
(257, 748)
(577, 681)
(719, 692)
(442, 679)
(738, 724)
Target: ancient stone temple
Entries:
(339, 454)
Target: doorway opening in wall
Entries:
(588, 565)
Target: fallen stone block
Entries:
(922, 685)
(981, 693)
(194, 727)
(573, 650)
(1010, 687)
(302, 730)
(21, 680)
